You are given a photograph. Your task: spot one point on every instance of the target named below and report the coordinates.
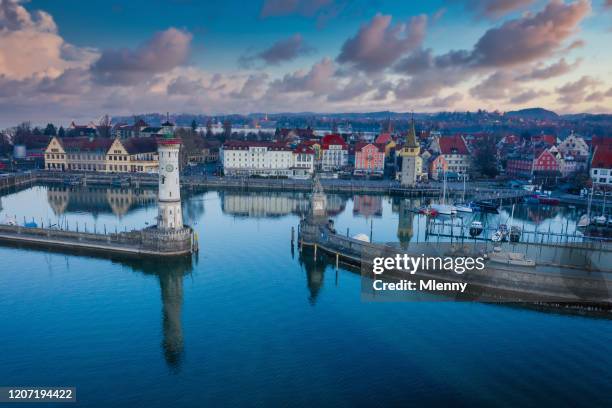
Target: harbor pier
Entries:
(145, 242)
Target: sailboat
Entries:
(585, 220)
(515, 231)
(443, 208)
(462, 206)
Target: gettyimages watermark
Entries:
(486, 273)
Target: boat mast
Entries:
(444, 187)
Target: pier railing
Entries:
(148, 240)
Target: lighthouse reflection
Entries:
(170, 273)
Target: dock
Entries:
(569, 276)
(138, 243)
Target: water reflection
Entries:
(315, 272)
(96, 200)
(367, 205)
(170, 274)
(274, 204)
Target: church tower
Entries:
(411, 161)
(169, 198)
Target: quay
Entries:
(16, 180)
(137, 243)
(567, 275)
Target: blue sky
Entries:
(70, 59)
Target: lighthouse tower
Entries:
(170, 216)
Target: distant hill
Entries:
(532, 113)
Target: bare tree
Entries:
(104, 126)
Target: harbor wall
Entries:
(138, 242)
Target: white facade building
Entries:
(265, 159)
(170, 216)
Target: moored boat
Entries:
(476, 228)
(444, 209)
(462, 207)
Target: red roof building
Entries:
(369, 158)
(601, 165)
(546, 162)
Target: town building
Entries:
(520, 167)
(266, 159)
(547, 163)
(369, 159)
(411, 160)
(334, 154)
(574, 146)
(601, 165)
(456, 155)
(101, 155)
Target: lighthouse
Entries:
(170, 216)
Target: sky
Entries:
(64, 60)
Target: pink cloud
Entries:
(379, 44)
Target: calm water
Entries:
(251, 323)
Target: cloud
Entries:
(355, 88)
(530, 37)
(73, 81)
(252, 87)
(446, 101)
(559, 68)
(317, 80)
(575, 92)
(379, 44)
(596, 96)
(281, 51)
(527, 96)
(493, 9)
(609, 93)
(183, 85)
(495, 86)
(306, 8)
(30, 44)
(166, 50)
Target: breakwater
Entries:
(567, 275)
(145, 242)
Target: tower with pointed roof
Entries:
(411, 161)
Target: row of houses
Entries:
(385, 154)
(545, 155)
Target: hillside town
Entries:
(403, 149)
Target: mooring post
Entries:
(337, 259)
(315, 252)
(292, 234)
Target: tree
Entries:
(23, 131)
(194, 126)
(50, 130)
(5, 145)
(104, 126)
(227, 129)
(61, 132)
(485, 161)
(209, 125)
